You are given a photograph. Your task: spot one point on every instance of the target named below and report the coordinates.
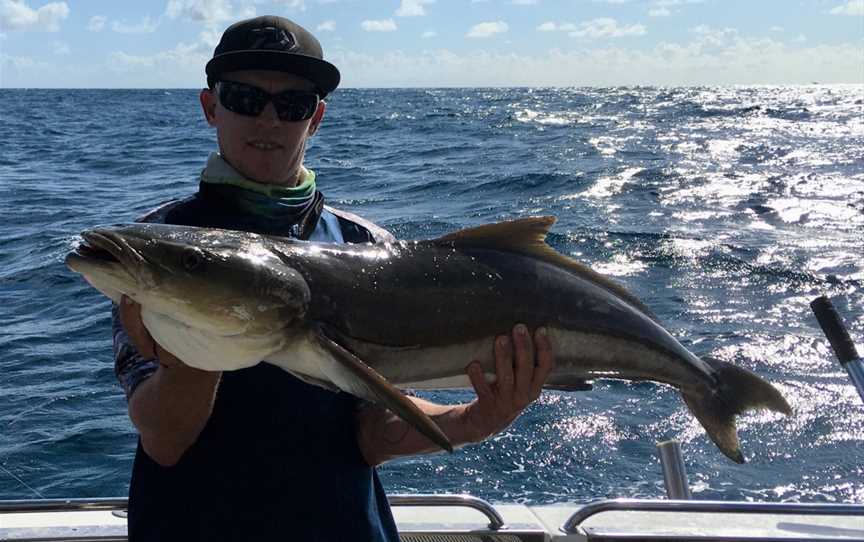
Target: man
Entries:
(257, 454)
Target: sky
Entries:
(446, 43)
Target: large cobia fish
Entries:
(368, 318)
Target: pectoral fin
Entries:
(352, 375)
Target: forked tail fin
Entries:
(738, 391)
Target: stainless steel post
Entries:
(674, 473)
(840, 341)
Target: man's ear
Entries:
(317, 118)
(208, 105)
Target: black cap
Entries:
(272, 43)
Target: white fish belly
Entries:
(209, 351)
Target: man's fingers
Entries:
(130, 317)
(478, 380)
(524, 364)
(127, 309)
(545, 361)
(504, 367)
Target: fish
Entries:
(374, 319)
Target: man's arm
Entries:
(171, 407)
(521, 367)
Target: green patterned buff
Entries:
(259, 199)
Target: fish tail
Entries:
(737, 391)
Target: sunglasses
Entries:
(243, 99)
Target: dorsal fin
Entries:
(515, 235)
(528, 236)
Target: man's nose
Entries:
(269, 116)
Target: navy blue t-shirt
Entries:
(278, 458)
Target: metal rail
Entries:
(496, 522)
(640, 505)
(63, 505)
(674, 471)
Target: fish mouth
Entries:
(108, 247)
(89, 249)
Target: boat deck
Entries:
(459, 518)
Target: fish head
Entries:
(220, 281)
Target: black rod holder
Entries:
(840, 340)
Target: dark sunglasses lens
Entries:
(295, 106)
(242, 99)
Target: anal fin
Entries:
(361, 380)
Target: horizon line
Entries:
(456, 87)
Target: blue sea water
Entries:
(727, 210)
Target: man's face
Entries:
(263, 148)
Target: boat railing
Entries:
(119, 505)
(496, 522)
(63, 505)
(571, 526)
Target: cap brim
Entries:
(323, 74)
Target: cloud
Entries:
(659, 12)
(689, 61)
(429, 34)
(604, 28)
(326, 26)
(714, 37)
(209, 12)
(412, 8)
(210, 37)
(146, 26)
(17, 15)
(181, 66)
(385, 25)
(776, 29)
(852, 7)
(297, 5)
(97, 23)
(22, 63)
(486, 30)
(742, 61)
(60, 48)
(552, 26)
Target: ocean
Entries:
(725, 209)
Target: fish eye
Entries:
(191, 259)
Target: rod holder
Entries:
(674, 472)
(840, 340)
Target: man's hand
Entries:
(130, 316)
(521, 367)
